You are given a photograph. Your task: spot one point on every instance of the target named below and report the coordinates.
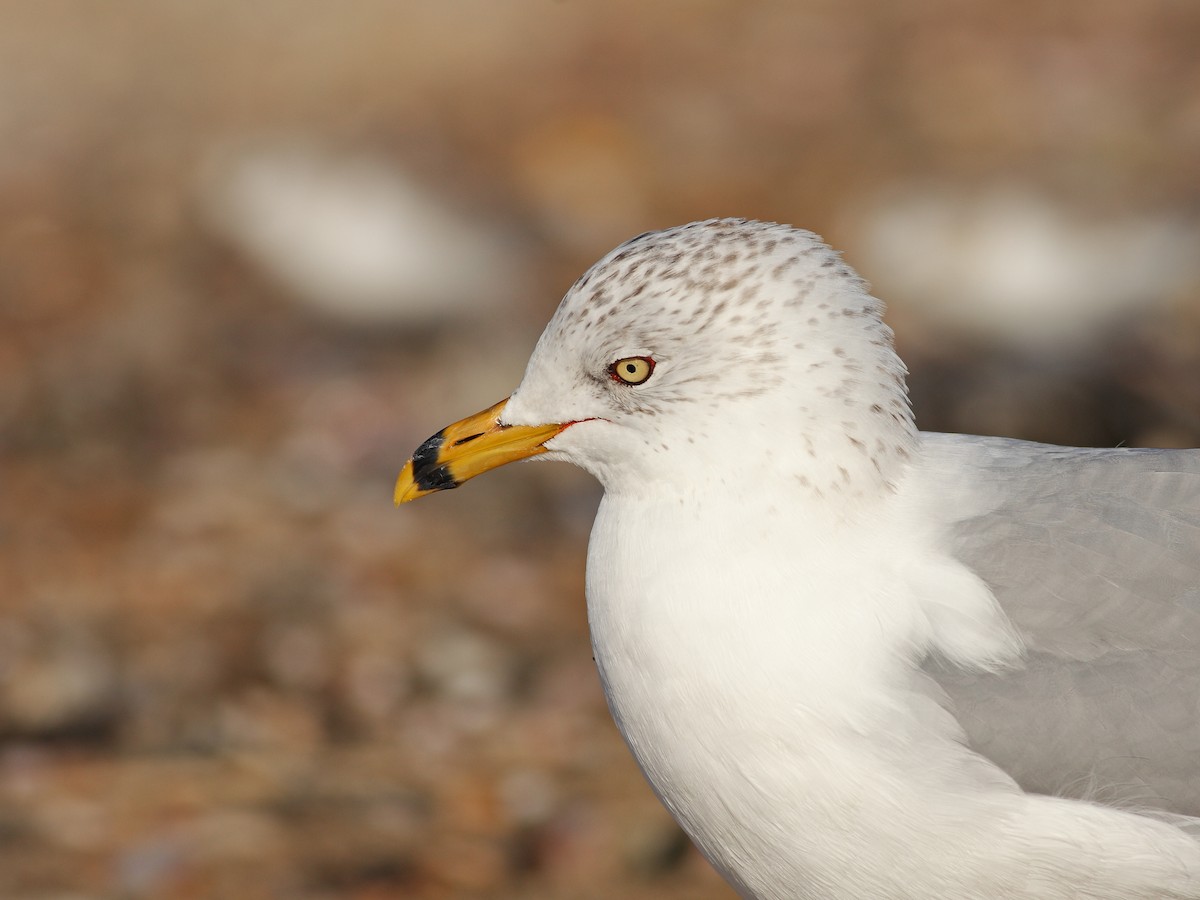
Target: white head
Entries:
(711, 357)
(767, 355)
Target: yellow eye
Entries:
(632, 369)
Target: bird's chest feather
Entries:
(743, 669)
(757, 611)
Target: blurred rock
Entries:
(297, 655)
(148, 867)
(57, 679)
(230, 834)
(529, 796)
(656, 845)
(465, 665)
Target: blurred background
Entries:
(252, 254)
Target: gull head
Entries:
(718, 355)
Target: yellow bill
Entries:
(468, 448)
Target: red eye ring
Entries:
(632, 370)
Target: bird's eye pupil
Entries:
(630, 368)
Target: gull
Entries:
(853, 659)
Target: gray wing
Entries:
(1095, 557)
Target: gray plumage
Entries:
(1094, 556)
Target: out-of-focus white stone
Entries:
(1009, 264)
(354, 237)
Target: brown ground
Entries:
(228, 668)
